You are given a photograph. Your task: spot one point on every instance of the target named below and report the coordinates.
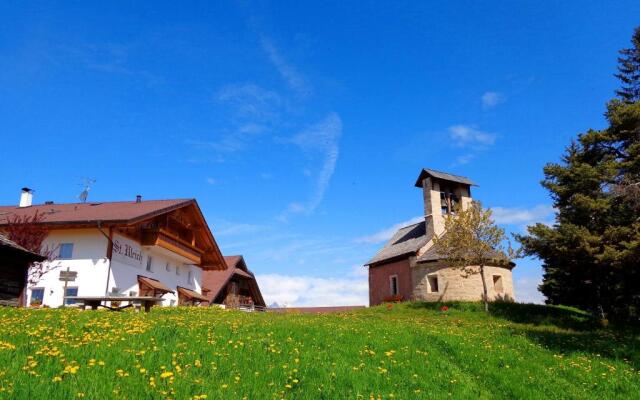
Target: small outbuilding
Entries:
(14, 266)
(235, 287)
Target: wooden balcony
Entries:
(171, 242)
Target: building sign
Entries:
(68, 276)
(126, 251)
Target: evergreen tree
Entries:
(591, 256)
(629, 70)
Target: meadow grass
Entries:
(406, 351)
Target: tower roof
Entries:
(444, 176)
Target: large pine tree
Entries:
(629, 70)
(591, 256)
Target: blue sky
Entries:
(300, 128)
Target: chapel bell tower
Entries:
(443, 193)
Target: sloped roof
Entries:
(442, 175)
(153, 284)
(190, 294)
(85, 213)
(215, 281)
(234, 262)
(5, 242)
(432, 255)
(407, 240)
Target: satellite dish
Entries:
(85, 191)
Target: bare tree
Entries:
(471, 240)
(30, 233)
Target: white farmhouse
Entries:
(130, 248)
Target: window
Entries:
(172, 302)
(167, 267)
(133, 293)
(177, 270)
(190, 277)
(444, 204)
(149, 263)
(497, 283)
(71, 291)
(66, 251)
(114, 291)
(393, 285)
(448, 201)
(433, 283)
(37, 296)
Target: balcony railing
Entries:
(240, 302)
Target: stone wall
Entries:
(454, 284)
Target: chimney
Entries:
(26, 197)
(138, 199)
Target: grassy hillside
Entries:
(403, 352)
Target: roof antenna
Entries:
(87, 182)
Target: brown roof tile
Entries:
(190, 294)
(85, 213)
(215, 281)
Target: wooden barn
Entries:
(235, 287)
(14, 265)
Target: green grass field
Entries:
(408, 351)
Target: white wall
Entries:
(90, 262)
(124, 277)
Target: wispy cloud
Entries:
(253, 112)
(108, 58)
(212, 181)
(294, 79)
(523, 216)
(491, 99)
(465, 159)
(251, 102)
(308, 291)
(386, 233)
(319, 139)
(471, 139)
(234, 229)
(467, 135)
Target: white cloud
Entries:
(386, 234)
(359, 271)
(321, 138)
(294, 79)
(466, 135)
(527, 291)
(212, 181)
(524, 216)
(308, 291)
(491, 99)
